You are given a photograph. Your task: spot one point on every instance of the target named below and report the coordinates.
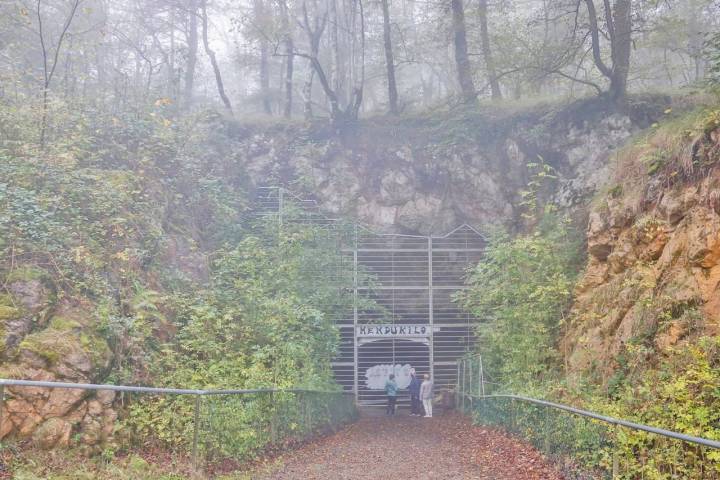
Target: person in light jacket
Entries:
(391, 391)
(426, 395)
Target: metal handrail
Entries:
(171, 391)
(611, 420)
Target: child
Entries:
(426, 395)
(391, 391)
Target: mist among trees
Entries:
(341, 59)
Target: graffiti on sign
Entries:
(376, 376)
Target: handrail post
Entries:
(547, 431)
(196, 428)
(464, 387)
(615, 457)
(273, 419)
(482, 376)
(457, 387)
(470, 379)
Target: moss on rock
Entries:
(25, 273)
(8, 308)
(50, 344)
(63, 324)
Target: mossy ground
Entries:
(72, 465)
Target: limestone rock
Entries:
(53, 433)
(60, 401)
(675, 204)
(654, 272)
(397, 187)
(105, 397)
(703, 248)
(28, 302)
(419, 213)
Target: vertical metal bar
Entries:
(431, 308)
(615, 457)
(470, 380)
(457, 385)
(281, 194)
(356, 372)
(196, 429)
(512, 415)
(464, 361)
(273, 419)
(547, 431)
(482, 377)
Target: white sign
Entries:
(376, 376)
(394, 331)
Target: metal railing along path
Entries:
(590, 440)
(305, 409)
(613, 421)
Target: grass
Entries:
(32, 464)
(667, 153)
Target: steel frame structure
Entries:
(398, 280)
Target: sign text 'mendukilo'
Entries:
(394, 330)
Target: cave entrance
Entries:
(378, 358)
(401, 284)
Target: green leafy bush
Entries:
(520, 291)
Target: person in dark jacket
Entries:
(414, 388)
(391, 391)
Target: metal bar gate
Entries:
(403, 314)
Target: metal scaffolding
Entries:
(403, 313)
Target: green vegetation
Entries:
(135, 225)
(523, 288)
(521, 291)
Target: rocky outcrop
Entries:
(652, 281)
(50, 340)
(430, 175)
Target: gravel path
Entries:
(403, 447)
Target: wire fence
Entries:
(586, 444)
(211, 425)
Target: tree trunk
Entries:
(192, 40)
(259, 10)
(621, 48)
(49, 67)
(213, 60)
(487, 52)
(337, 73)
(389, 59)
(289, 56)
(289, 70)
(307, 96)
(619, 31)
(314, 31)
(467, 88)
(265, 77)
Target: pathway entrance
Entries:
(401, 448)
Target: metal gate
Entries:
(406, 281)
(378, 358)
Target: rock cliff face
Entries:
(49, 341)
(429, 175)
(653, 276)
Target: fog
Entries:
(342, 59)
